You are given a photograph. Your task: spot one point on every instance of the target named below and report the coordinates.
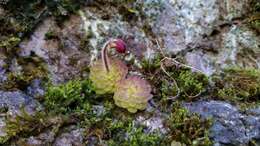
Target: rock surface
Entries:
(3, 76)
(205, 30)
(71, 137)
(209, 34)
(36, 89)
(79, 41)
(11, 104)
(64, 58)
(230, 125)
(44, 138)
(15, 100)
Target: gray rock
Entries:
(80, 41)
(3, 75)
(183, 23)
(36, 89)
(240, 46)
(230, 125)
(254, 111)
(11, 104)
(152, 124)
(15, 100)
(179, 25)
(64, 58)
(44, 138)
(65, 136)
(72, 137)
(201, 61)
(206, 31)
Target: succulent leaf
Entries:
(103, 81)
(133, 94)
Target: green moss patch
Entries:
(188, 128)
(236, 84)
(103, 121)
(23, 124)
(191, 84)
(180, 82)
(69, 97)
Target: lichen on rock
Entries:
(15, 106)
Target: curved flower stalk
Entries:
(106, 72)
(133, 94)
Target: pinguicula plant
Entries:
(108, 75)
(106, 72)
(133, 94)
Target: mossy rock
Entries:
(188, 128)
(183, 83)
(238, 84)
(69, 97)
(22, 124)
(189, 85)
(32, 67)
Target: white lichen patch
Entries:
(241, 47)
(153, 124)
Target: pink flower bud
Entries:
(120, 46)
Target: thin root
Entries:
(177, 63)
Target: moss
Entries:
(61, 9)
(22, 16)
(254, 21)
(118, 128)
(50, 35)
(29, 10)
(8, 46)
(22, 124)
(255, 5)
(32, 67)
(151, 65)
(107, 124)
(188, 128)
(103, 121)
(84, 43)
(190, 84)
(10, 43)
(129, 13)
(254, 18)
(69, 97)
(135, 136)
(237, 84)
